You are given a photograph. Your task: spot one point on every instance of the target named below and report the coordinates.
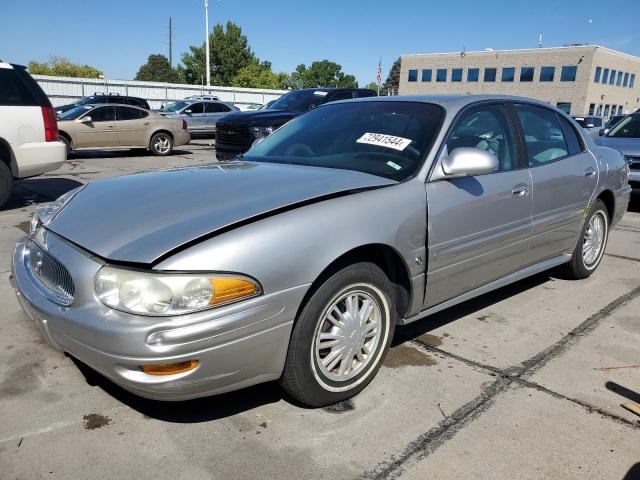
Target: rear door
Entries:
(478, 226)
(133, 125)
(195, 117)
(564, 176)
(101, 131)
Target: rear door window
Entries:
(215, 107)
(544, 138)
(128, 113)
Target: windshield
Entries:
(388, 139)
(175, 106)
(629, 127)
(75, 112)
(299, 100)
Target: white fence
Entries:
(63, 90)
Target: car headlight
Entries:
(164, 294)
(259, 132)
(43, 215)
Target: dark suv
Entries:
(237, 131)
(117, 99)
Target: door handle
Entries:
(110, 126)
(520, 190)
(590, 172)
(146, 123)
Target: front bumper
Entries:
(237, 345)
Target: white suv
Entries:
(29, 142)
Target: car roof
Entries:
(454, 101)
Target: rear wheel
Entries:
(161, 144)
(341, 336)
(591, 245)
(6, 182)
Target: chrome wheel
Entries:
(594, 238)
(348, 335)
(162, 144)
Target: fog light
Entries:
(169, 368)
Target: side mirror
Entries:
(85, 119)
(469, 161)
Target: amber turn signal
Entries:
(169, 368)
(229, 289)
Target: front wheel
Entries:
(161, 144)
(591, 244)
(341, 336)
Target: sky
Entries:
(117, 36)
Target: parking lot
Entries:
(525, 382)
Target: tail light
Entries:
(184, 125)
(50, 124)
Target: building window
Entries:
(426, 74)
(596, 79)
(606, 111)
(564, 106)
(547, 74)
(605, 76)
(592, 108)
(632, 80)
(625, 83)
(619, 81)
(614, 109)
(489, 74)
(456, 75)
(474, 73)
(508, 74)
(612, 78)
(413, 75)
(568, 73)
(619, 109)
(441, 75)
(526, 74)
(599, 110)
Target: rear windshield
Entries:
(17, 88)
(388, 139)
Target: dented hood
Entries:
(139, 218)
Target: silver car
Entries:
(296, 262)
(625, 137)
(201, 115)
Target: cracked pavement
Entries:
(523, 383)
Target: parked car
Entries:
(121, 126)
(296, 262)
(202, 97)
(201, 116)
(590, 123)
(109, 99)
(625, 137)
(237, 132)
(28, 130)
(612, 122)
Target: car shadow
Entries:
(38, 190)
(634, 203)
(189, 411)
(119, 153)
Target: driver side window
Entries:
(196, 108)
(486, 127)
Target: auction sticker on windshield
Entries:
(382, 140)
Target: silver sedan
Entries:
(297, 262)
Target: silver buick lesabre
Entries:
(297, 261)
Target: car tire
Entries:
(161, 144)
(320, 335)
(591, 244)
(67, 143)
(6, 182)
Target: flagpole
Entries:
(379, 77)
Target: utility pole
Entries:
(206, 40)
(170, 44)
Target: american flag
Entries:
(379, 77)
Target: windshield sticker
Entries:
(322, 94)
(394, 165)
(382, 140)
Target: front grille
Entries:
(233, 135)
(49, 275)
(634, 162)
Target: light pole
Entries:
(206, 39)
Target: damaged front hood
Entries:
(139, 218)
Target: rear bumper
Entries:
(37, 158)
(237, 345)
(181, 137)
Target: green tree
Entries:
(322, 74)
(391, 85)
(62, 67)
(229, 53)
(373, 86)
(157, 69)
(259, 76)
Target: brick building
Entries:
(584, 79)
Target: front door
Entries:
(478, 226)
(101, 131)
(195, 117)
(564, 176)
